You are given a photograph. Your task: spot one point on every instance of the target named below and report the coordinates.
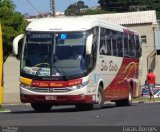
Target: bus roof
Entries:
(71, 24)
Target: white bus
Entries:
(78, 61)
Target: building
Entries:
(145, 23)
(42, 15)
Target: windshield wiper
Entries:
(61, 69)
(40, 68)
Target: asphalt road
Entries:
(139, 114)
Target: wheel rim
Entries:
(99, 98)
(130, 96)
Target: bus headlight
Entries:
(79, 86)
(22, 85)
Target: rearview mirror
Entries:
(16, 42)
(89, 44)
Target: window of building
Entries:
(144, 39)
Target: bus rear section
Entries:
(61, 64)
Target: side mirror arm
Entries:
(15, 43)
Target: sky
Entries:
(44, 5)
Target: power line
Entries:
(35, 8)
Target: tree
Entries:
(75, 9)
(13, 23)
(93, 12)
(130, 5)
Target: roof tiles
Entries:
(139, 17)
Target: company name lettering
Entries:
(74, 83)
(56, 84)
(111, 66)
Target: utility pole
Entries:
(52, 5)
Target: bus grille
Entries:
(50, 90)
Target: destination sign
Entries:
(40, 37)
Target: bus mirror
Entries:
(16, 42)
(89, 44)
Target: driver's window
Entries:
(93, 57)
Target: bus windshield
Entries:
(54, 54)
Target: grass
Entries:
(144, 99)
(2, 109)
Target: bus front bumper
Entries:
(57, 99)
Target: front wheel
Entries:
(97, 105)
(100, 99)
(41, 107)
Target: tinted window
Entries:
(114, 43)
(126, 52)
(120, 44)
(138, 47)
(132, 46)
(105, 42)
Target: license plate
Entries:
(50, 97)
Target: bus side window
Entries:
(95, 41)
(102, 49)
(138, 47)
(132, 46)
(114, 43)
(120, 44)
(108, 41)
(125, 37)
(93, 56)
(109, 47)
(105, 42)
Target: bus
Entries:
(1, 68)
(77, 61)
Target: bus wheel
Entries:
(100, 99)
(126, 102)
(130, 96)
(98, 105)
(41, 107)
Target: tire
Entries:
(126, 102)
(41, 107)
(98, 105)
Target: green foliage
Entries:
(93, 12)
(75, 9)
(80, 8)
(130, 5)
(13, 24)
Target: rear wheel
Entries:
(41, 107)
